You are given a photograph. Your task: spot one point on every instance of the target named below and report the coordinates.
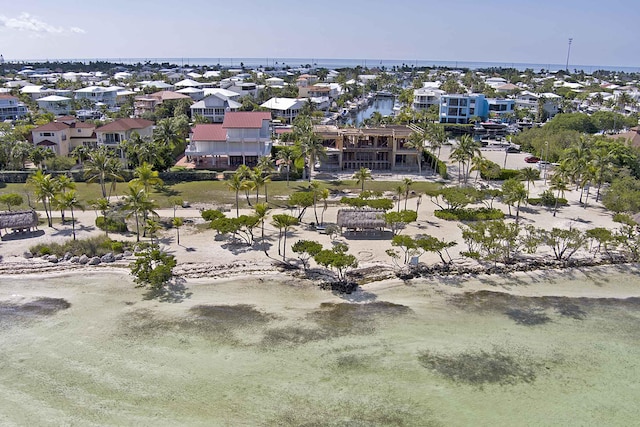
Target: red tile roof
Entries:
(245, 119)
(7, 96)
(66, 119)
(83, 125)
(121, 125)
(52, 127)
(209, 132)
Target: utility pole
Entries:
(568, 53)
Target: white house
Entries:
(63, 135)
(192, 92)
(529, 101)
(242, 138)
(112, 134)
(275, 82)
(96, 94)
(36, 92)
(424, 97)
(55, 104)
(287, 108)
(11, 108)
(214, 108)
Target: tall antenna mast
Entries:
(568, 53)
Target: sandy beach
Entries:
(248, 344)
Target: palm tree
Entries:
(39, 154)
(416, 142)
(324, 195)
(399, 190)
(260, 179)
(245, 174)
(146, 177)
(309, 143)
(285, 157)
(69, 200)
(558, 183)
(529, 175)
(101, 167)
(20, 152)
(361, 176)
(437, 137)
(406, 185)
(138, 205)
(44, 188)
(466, 150)
(602, 159)
(266, 164)
(514, 193)
(63, 183)
(261, 210)
(235, 184)
(284, 223)
(177, 223)
(165, 134)
(479, 165)
(151, 226)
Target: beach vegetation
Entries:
(306, 249)
(398, 220)
(498, 241)
(564, 242)
(283, 223)
(338, 260)
(469, 214)
(92, 246)
(11, 199)
(153, 268)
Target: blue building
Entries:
(460, 108)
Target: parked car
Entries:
(513, 149)
(532, 159)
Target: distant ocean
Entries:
(332, 63)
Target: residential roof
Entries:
(167, 95)
(46, 143)
(54, 98)
(283, 104)
(17, 219)
(52, 126)
(188, 82)
(125, 125)
(633, 136)
(7, 96)
(245, 119)
(208, 132)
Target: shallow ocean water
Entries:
(274, 354)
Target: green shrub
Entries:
(464, 214)
(111, 224)
(93, 246)
(211, 214)
(624, 218)
(547, 199)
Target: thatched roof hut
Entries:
(361, 219)
(19, 220)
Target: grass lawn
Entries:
(217, 192)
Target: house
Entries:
(507, 88)
(36, 92)
(424, 97)
(196, 94)
(112, 134)
(285, 108)
(313, 91)
(55, 104)
(148, 103)
(276, 82)
(381, 148)
(456, 108)
(64, 134)
(500, 108)
(530, 101)
(244, 89)
(99, 94)
(157, 84)
(214, 108)
(11, 108)
(242, 138)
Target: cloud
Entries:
(31, 24)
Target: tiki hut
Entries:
(19, 220)
(361, 219)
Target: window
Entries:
(454, 101)
(463, 102)
(46, 134)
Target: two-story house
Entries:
(11, 108)
(459, 109)
(55, 104)
(214, 108)
(96, 94)
(64, 135)
(112, 134)
(285, 108)
(242, 138)
(424, 97)
(148, 103)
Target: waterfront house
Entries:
(425, 97)
(285, 108)
(530, 101)
(378, 149)
(458, 109)
(242, 138)
(11, 108)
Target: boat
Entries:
(493, 125)
(384, 93)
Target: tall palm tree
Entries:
(70, 200)
(45, 190)
(399, 190)
(138, 205)
(310, 145)
(406, 185)
(63, 184)
(177, 223)
(245, 174)
(602, 159)
(416, 142)
(559, 184)
(284, 223)
(146, 177)
(529, 175)
(101, 167)
(266, 164)
(260, 179)
(285, 157)
(514, 193)
(235, 184)
(437, 138)
(466, 150)
(261, 210)
(20, 152)
(324, 195)
(361, 176)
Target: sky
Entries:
(505, 31)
